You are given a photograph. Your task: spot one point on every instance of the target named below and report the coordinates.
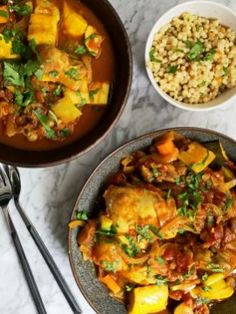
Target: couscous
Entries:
(193, 59)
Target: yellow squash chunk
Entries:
(212, 279)
(99, 93)
(74, 24)
(4, 14)
(6, 49)
(93, 41)
(183, 309)
(197, 156)
(66, 110)
(218, 289)
(147, 300)
(106, 223)
(43, 23)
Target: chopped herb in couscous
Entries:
(193, 59)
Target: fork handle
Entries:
(49, 260)
(26, 268)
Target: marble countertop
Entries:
(48, 195)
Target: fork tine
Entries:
(4, 176)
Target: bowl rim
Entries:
(74, 156)
(153, 31)
(94, 172)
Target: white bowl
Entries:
(207, 9)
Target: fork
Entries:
(5, 197)
(15, 181)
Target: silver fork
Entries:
(5, 197)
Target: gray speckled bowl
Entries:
(94, 292)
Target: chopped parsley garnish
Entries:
(160, 260)
(156, 231)
(201, 300)
(64, 132)
(196, 51)
(11, 73)
(80, 50)
(130, 249)
(205, 277)
(109, 266)
(172, 69)
(225, 70)
(93, 92)
(206, 288)
(39, 74)
(24, 99)
(129, 288)
(72, 73)
(155, 170)
(229, 202)
(210, 55)
(161, 280)
(144, 233)
(57, 91)
(191, 198)
(152, 57)
(21, 9)
(81, 215)
(215, 268)
(50, 133)
(53, 73)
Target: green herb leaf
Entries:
(21, 9)
(24, 99)
(39, 74)
(53, 73)
(210, 55)
(206, 288)
(229, 202)
(131, 250)
(80, 50)
(201, 300)
(215, 268)
(156, 231)
(205, 277)
(4, 14)
(144, 233)
(129, 288)
(57, 91)
(109, 266)
(50, 133)
(195, 52)
(160, 260)
(152, 57)
(161, 280)
(72, 73)
(93, 92)
(81, 215)
(172, 69)
(11, 74)
(225, 70)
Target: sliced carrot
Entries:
(111, 284)
(76, 223)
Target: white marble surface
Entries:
(48, 195)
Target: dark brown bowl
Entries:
(123, 57)
(94, 292)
